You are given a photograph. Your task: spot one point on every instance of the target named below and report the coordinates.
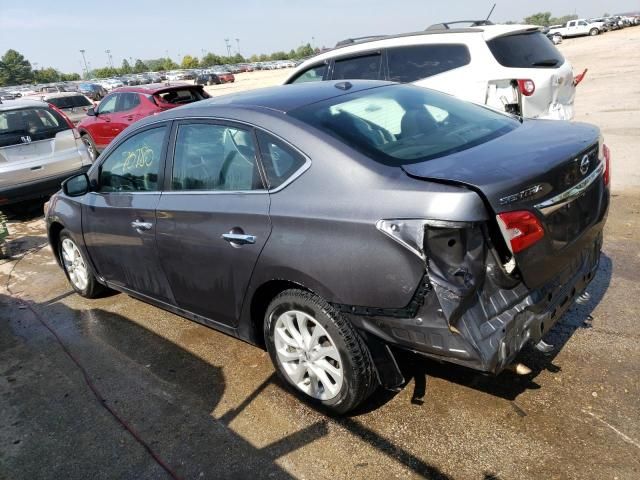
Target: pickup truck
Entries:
(575, 28)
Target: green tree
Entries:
(190, 62)
(562, 20)
(304, 51)
(140, 66)
(540, 18)
(47, 75)
(69, 77)
(126, 67)
(210, 59)
(14, 69)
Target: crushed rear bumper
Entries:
(495, 324)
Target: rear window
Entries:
(29, 125)
(525, 50)
(411, 63)
(403, 124)
(70, 102)
(181, 96)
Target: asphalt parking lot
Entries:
(210, 406)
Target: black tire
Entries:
(593, 32)
(93, 288)
(91, 146)
(359, 377)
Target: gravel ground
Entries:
(210, 406)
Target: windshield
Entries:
(402, 124)
(525, 50)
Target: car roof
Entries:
(152, 88)
(21, 103)
(487, 32)
(282, 98)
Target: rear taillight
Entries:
(606, 176)
(526, 87)
(521, 229)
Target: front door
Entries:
(120, 217)
(101, 130)
(214, 220)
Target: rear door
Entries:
(125, 114)
(363, 66)
(214, 220)
(119, 219)
(35, 143)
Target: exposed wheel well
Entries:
(261, 300)
(54, 237)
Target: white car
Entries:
(576, 28)
(511, 68)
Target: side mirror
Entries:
(76, 186)
(92, 112)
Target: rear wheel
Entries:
(77, 268)
(593, 32)
(91, 147)
(317, 352)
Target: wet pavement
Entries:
(210, 406)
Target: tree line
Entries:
(17, 70)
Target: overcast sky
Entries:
(51, 32)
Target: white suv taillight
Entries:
(526, 87)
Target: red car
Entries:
(126, 105)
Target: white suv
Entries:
(512, 68)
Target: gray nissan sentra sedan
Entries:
(331, 221)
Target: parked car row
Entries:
(593, 27)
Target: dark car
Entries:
(126, 105)
(330, 221)
(92, 90)
(208, 79)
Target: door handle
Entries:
(239, 238)
(141, 226)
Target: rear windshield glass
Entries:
(402, 124)
(525, 50)
(182, 96)
(29, 125)
(70, 102)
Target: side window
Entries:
(411, 63)
(571, 24)
(280, 160)
(214, 157)
(108, 105)
(365, 67)
(134, 164)
(583, 24)
(128, 101)
(314, 74)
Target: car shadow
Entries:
(507, 385)
(167, 394)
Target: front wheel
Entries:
(91, 147)
(77, 268)
(593, 32)
(317, 352)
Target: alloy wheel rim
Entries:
(92, 151)
(308, 355)
(74, 264)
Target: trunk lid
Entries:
(528, 169)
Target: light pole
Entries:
(84, 59)
(108, 52)
(226, 41)
(238, 45)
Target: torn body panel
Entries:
(471, 311)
